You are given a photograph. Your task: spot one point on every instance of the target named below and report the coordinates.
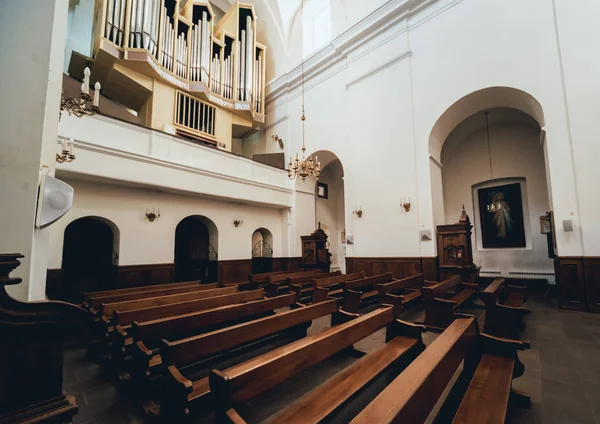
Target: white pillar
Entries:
(31, 63)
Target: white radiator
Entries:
(522, 275)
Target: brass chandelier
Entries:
(304, 167)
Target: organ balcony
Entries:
(179, 69)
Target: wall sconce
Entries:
(358, 211)
(66, 154)
(405, 204)
(278, 140)
(238, 221)
(152, 215)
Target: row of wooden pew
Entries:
(162, 335)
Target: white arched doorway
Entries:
(262, 251)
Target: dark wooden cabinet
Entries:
(455, 250)
(314, 250)
(591, 270)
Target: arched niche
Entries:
(329, 204)
(90, 257)
(485, 142)
(262, 251)
(196, 249)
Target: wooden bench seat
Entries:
(257, 280)
(192, 350)
(486, 400)
(96, 302)
(108, 309)
(331, 287)
(411, 396)
(504, 312)
(122, 320)
(320, 403)
(281, 283)
(361, 291)
(148, 335)
(90, 295)
(242, 382)
(439, 310)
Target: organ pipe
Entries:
(242, 89)
(249, 58)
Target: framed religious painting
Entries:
(501, 216)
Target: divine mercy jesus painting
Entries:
(501, 215)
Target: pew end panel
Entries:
(439, 313)
(352, 300)
(177, 388)
(320, 294)
(505, 321)
(405, 329)
(341, 317)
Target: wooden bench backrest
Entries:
(156, 312)
(97, 301)
(141, 289)
(338, 279)
(191, 349)
(413, 282)
(413, 394)
(492, 292)
(283, 277)
(262, 278)
(367, 281)
(438, 289)
(248, 379)
(129, 305)
(157, 329)
(307, 278)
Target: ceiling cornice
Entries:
(378, 22)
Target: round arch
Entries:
(90, 256)
(262, 251)
(329, 204)
(479, 101)
(196, 249)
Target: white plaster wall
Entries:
(31, 63)
(374, 101)
(144, 242)
(516, 153)
(79, 39)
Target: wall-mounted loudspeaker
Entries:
(55, 198)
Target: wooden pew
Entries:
(504, 314)
(298, 279)
(322, 402)
(411, 396)
(147, 335)
(257, 280)
(322, 289)
(122, 320)
(108, 309)
(242, 382)
(192, 350)
(277, 283)
(87, 296)
(490, 390)
(401, 292)
(440, 311)
(362, 291)
(99, 300)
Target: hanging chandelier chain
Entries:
(303, 167)
(487, 131)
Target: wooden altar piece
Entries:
(314, 251)
(455, 250)
(31, 355)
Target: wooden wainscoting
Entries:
(578, 281)
(233, 271)
(283, 264)
(399, 267)
(145, 275)
(591, 271)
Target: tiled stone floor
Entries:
(562, 374)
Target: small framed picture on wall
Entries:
(322, 190)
